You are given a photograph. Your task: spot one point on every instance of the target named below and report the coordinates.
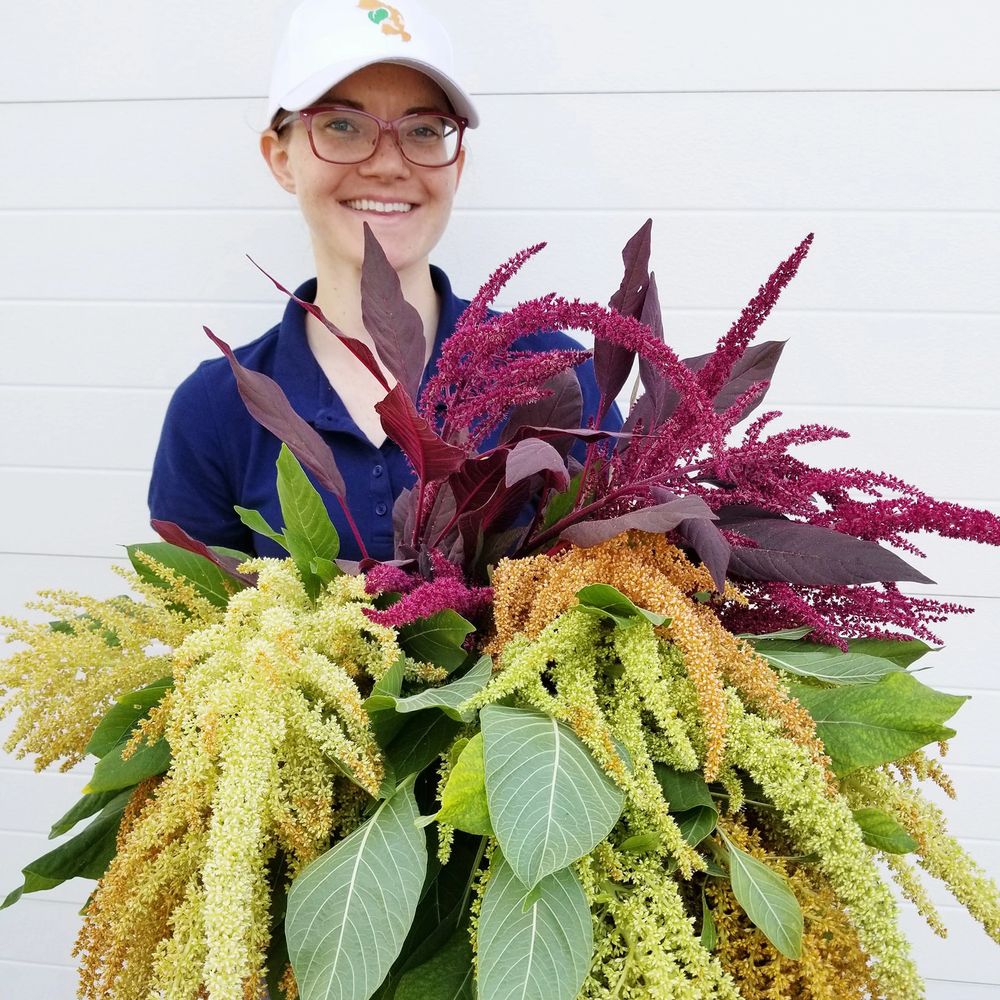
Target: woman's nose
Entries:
(387, 158)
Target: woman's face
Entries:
(329, 193)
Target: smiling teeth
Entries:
(365, 205)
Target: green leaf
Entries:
(206, 578)
(325, 569)
(87, 855)
(767, 901)
(902, 653)
(420, 742)
(70, 627)
(542, 954)
(89, 805)
(121, 719)
(114, 772)
(385, 721)
(562, 503)
(463, 802)
(603, 601)
(550, 802)
(437, 639)
(447, 976)
(709, 933)
(877, 723)
(683, 790)
(696, 824)
(883, 833)
(448, 698)
(787, 633)
(309, 533)
(641, 843)
(825, 663)
(350, 910)
(256, 522)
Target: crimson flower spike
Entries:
(732, 346)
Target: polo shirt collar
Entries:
(298, 373)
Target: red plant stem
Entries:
(354, 528)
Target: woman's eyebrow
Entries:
(358, 106)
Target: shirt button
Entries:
(377, 471)
(381, 509)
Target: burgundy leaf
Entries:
(588, 434)
(499, 511)
(710, 544)
(176, 535)
(562, 408)
(269, 406)
(813, 556)
(358, 348)
(652, 316)
(658, 518)
(756, 365)
(478, 478)
(532, 456)
(431, 457)
(395, 326)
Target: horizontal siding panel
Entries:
(48, 982)
(19, 849)
(24, 940)
(117, 50)
(33, 802)
(831, 358)
(22, 576)
(966, 956)
(822, 151)
(941, 989)
(860, 261)
(119, 429)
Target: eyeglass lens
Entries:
(343, 136)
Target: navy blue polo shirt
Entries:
(213, 455)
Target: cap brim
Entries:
(312, 89)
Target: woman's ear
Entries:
(275, 153)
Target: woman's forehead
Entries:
(388, 82)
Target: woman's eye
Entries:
(340, 125)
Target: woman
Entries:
(367, 123)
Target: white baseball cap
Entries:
(328, 40)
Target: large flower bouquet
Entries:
(630, 715)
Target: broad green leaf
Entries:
(604, 601)
(766, 900)
(683, 790)
(256, 522)
(87, 806)
(826, 663)
(641, 843)
(325, 569)
(877, 723)
(437, 639)
(122, 717)
(902, 653)
(206, 578)
(550, 801)
(883, 833)
(787, 633)
(350, 910)
(113, 772)
(385, 721)
(541, 954)
(87, 855)
(420, 742)
(696, 824)
(463, 802)
(562, 503)
(309, 533)
(709, 933)
(448, 698)
(447, 976)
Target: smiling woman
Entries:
(366, 129)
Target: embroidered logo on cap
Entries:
(389, 18)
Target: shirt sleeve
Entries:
(191, 484)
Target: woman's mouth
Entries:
(379, 207)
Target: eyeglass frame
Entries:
(391, 127)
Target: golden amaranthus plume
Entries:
(530, 593)
(272, 757)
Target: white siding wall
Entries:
(130, 190)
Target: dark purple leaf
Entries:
(710, 544)
(270, 408)
(395, 326)
(562, 408)
(652, 316)
(813, 556)
(658, 518)
(477, 479)
(350, 566)
(499, 510)
(588, 434)
(358, 348)
(532, 456)
(176, 535)
(756, 365)
(431, 457)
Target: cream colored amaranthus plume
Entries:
(272, 755)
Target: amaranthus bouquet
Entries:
(630, 714)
